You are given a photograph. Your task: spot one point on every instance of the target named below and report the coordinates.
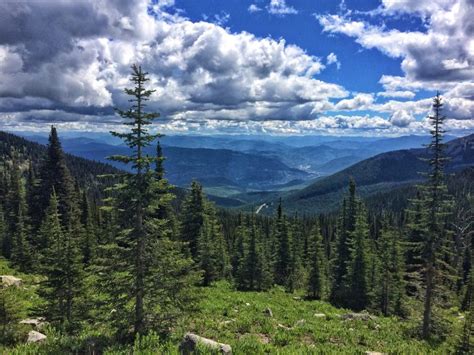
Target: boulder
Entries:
(319, 315)
(373, 353)
(190, 342)
(35, 337)
(268, 312)
(8, 280)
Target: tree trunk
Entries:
(428, 301)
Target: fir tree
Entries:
(283, 251)
(356, 279)
(131, 262)
(212, 256)
(192, 218)
(341, 262)
(391, 284)
(317, 281)
(89, 239)
(159, 169)
(435, 207)
(253, 273)
(54, 175)
(61, 264)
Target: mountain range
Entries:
(258, 173)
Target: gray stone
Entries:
(190, 342)
(8, 280)
(35, 337)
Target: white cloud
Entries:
(401, 118)
(254, 8)
(443, 52)
(397, 94)
(280, 8)
(200, 70)
(332, 59)
(360, 101)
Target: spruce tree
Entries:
(61, 265)
(436, 207)
(342, 258)
(283, 248)
(253, 273)
(317, 281)
(356, 279)
(133, 268)
(212, 256)
(391, 284)
(192, 218)
(54, 175)
(88, 231)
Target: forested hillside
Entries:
(123, 270)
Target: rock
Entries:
(35, 337)
(319, 315)
(357, 316)
(37, 323)
(247, 304)
(297, 298)
(8, 280)
(190, 342)
(373, 353)
(268, 312)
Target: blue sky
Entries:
(280, 67)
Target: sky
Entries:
(277, 67)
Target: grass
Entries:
(240, 320)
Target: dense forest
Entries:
(114, 261)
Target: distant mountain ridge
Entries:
(383, 171)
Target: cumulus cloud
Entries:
(199, 69)
(280, 8)
(445, 51)
(207, 77)
(397, 94)
(360, 101)
(401, 118)
(254, 8)
(332, 59)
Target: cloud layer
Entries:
(68, 62)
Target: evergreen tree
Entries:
(160, 170)
(317, 280)
(435, 207)
(212, 254)
(283, 251)
(61, 265)
(341, 262)
(54, 175)
(356, 279)
(192, 218)
(89, 239)
(253, 273)
(133, 267)
(391, 284)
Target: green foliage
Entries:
(317, 280)
(61, 264)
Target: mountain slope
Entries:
(380, 173)
(212, 167)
